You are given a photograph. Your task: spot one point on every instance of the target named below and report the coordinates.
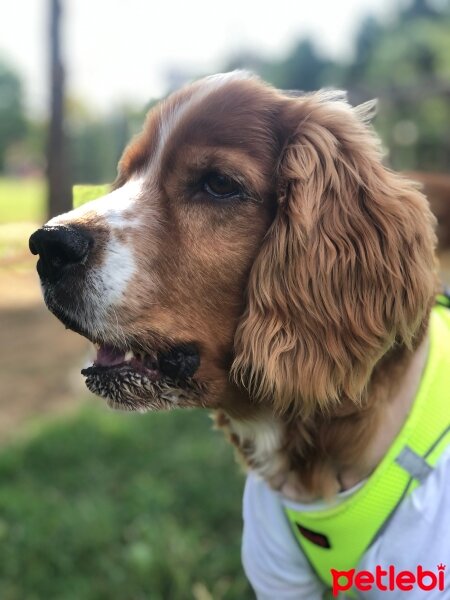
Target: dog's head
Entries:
(253, 248)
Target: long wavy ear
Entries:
(346, 270)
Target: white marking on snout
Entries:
(106, 284)
(116, 271)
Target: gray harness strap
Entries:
(414, 464)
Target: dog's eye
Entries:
(220, 186)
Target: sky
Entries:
(119, 51)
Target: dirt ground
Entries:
(40, 360)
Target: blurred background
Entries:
(99, 505)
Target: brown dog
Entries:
(255, 257)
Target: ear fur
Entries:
(346, 270)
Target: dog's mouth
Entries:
(131, 380)
(159, 377)
(110, 358)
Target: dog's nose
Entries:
(59, 248)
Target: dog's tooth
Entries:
(129, 356)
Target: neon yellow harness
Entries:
(338, 537)
(85, 193)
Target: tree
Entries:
(408, 69)
(59, 188)
(302, 69)
(419, 8)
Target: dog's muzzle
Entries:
(130, 373)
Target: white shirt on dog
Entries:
(418, 534)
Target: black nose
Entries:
(59, 248)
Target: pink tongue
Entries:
(108, 356)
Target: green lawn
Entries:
(121, 507)
(22, 200)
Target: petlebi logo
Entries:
(388, 579)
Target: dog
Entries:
(256, 258)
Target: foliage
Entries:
(304, 68)
(407, 66)
(95, 148)
(22, 200)
(12, 119)
(96, 144)
(404, 62)
(121, 507)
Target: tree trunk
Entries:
(59, 187)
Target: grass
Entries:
(22, 209)
(121, 507)
(22, 200)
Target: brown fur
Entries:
(340, 280)
(346, 270)
(307, 297)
